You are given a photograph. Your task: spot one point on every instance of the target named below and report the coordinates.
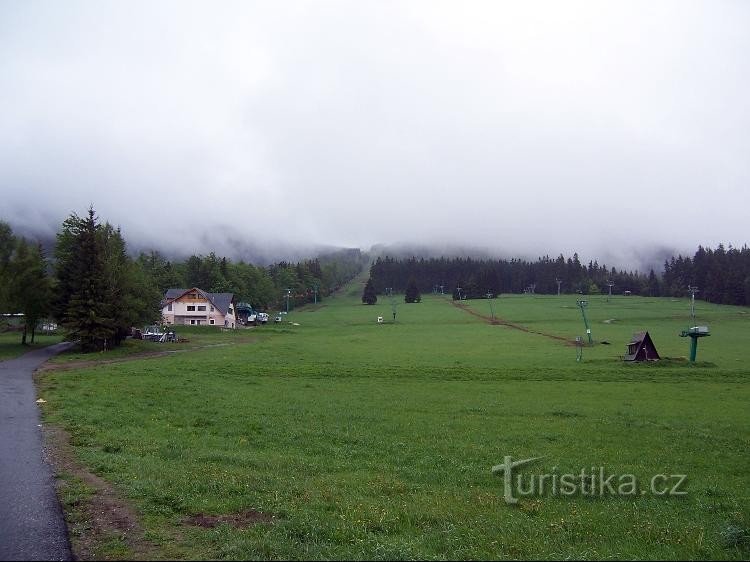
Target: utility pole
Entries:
(315, 293)
(287, 296)
(610, 284)
(692, 290)
(389, 292)
(492, 309)
(559, 282)
(458, 290)
(583, 304)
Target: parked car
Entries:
(262, 317)
(152, 333)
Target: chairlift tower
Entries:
(692, 290)
(458, 290)
(610, 284)
(389, 292)
(559, 283)
(694, 333)
(492, 308)
(583, 304)
(287, 296)
(315, 293)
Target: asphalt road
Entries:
(31, 519)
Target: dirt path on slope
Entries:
(502, 322)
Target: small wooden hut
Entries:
(641, 348)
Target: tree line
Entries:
(722, 276)
(92, 287)
(263, 288)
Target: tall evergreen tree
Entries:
(654, 289)
(83, 301)
(369, 296)
(101, 292)
(412, 292)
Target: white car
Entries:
(262, 317)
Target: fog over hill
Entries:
(266, 131)
(225, 242)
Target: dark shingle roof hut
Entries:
(641, 348)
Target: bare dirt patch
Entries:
(103, 516)
(241, 520)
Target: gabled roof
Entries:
(644, 348)
(638, 337)
(221, 301)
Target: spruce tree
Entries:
(412, 292)
(369, 296)
(83, 301)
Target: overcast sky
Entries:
(523, 127)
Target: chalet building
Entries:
(196, 307)
(641, 348)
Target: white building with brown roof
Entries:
(196, 307)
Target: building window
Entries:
(192, 322)
(212, 309)
(191, 308)
(201, 309)
(211, 321)
(198, 322)
(169, 307)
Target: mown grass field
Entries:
(377, 441)
(10, 344)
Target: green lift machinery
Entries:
(583, 304)
(694, 333)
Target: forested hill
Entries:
(262, 287)
(722, 276)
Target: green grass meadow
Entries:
(10, 344)
(376, 441)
